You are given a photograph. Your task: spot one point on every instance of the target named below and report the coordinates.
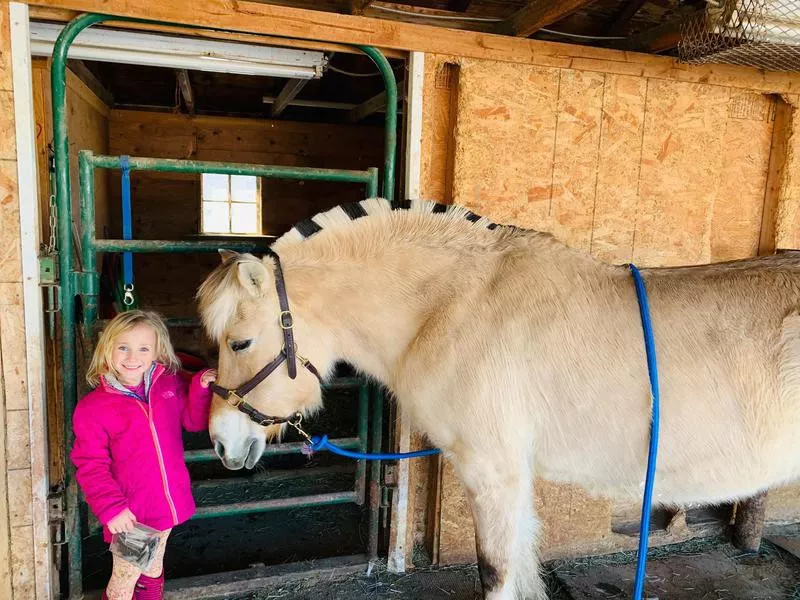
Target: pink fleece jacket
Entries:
(129, 453)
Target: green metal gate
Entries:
(83, 283)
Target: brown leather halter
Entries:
(288, 354)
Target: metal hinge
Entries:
(387, 487)
(48, 279)
(86, 283)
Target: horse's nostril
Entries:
(219, 449)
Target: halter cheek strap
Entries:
(285, 318)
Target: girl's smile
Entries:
(133, 354)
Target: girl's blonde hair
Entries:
(102, 362)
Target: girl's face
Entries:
(134, 351)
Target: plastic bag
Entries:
(138, 547)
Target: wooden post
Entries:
(749, 523)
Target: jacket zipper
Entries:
(164, 480)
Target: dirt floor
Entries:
(709, 569)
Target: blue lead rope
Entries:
(652, 368)
(322, 443)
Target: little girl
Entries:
(128, 447)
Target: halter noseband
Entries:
(288, 353)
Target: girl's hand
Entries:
(123, 522)
(207, 377)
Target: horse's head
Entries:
(260, 385)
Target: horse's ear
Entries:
(252, 275)
(227, 254)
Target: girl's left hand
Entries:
(207, 377)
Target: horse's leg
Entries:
(500, 491)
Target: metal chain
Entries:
(51, 246)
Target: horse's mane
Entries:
(419, 215)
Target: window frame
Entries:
(230, 202)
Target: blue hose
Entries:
(652, 368)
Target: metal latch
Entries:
(56, 510)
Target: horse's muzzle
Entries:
(248, 455)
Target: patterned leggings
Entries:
(124, 575)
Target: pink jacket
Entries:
(129, 454)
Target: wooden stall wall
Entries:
(167, 205)
(630, 168)
(87, 123)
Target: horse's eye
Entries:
(239, 345)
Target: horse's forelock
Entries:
(219, 296)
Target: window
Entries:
(230, 204)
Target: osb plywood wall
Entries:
(167, 206)
(630, 168)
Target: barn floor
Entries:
(708, 569)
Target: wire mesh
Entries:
(756, 33)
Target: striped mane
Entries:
(341, 216)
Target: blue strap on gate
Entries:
(127, 232)
(322, 443)
(652, 369)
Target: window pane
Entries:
(215, 187)
(216, 218)
(244, 219)
(244, 188)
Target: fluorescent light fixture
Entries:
(150, 49)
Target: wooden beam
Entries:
(540, 13)
(458, 5)
(60, 15)
(371, 106)
(417, 12)
(92, 82)
(624, 16)
(289, 91)
(247, 17)
(186, 89)
(357, 7)
(655, 39)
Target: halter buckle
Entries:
(285, 319)
(239, 399)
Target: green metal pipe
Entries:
(197, 456)
(390, 136)
(170, 165)
(88, 255)
(260, 506)
(174, 246)
(363, 431)
(372, 184)
(247, 508)
(58, 82)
